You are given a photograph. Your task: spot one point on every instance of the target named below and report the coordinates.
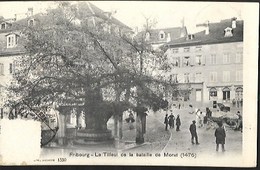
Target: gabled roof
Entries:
(175, 33)
(215, 36)
(100, 13)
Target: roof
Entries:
(86, 9)
(100, 13)
(215, 36)
(175, 33)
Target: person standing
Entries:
(201, 119)
(193, 132)
(178, 123)
(220, 135)
(171, 121)
(166, 122)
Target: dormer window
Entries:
(162, 35)
(12, 40)
(228, 32)
(31, 22)
(3, 26)
(147, 36)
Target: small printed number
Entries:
(62, 159)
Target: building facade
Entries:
(11, 32)
(208, 66)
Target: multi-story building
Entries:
(11, 34)
(208, 66)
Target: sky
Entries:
(133, 13)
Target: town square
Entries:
(109, 79)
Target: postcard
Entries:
(128, 83)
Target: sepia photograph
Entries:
(167, 83)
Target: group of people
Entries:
(220, 135)
(203, 118)
(169, 120)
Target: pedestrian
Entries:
(201, 119)
(166, 122)
(171, 120)
(205, 120)
(179, 106)
(194, 132)
(178, 123)
(239, 122)
(220, 135)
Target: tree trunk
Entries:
(121, 126)
(116, 126)
(139, 129)
(96, 122)
(2, 113)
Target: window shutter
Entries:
(203, 59)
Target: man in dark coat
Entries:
(166, 122)
(178, 123)
(220, 135)
(171, 121)
(193, 132)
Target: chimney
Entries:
(206, 25)
(182, 22)
(15, 17)
(207, 28)
(233, 22)
(136, 30)
(168, 37)
(108, 14)
(30, 12)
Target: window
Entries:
(3, 26)
(147, 36)
(226, 93)
(226, 58)
(198, 77)
(239, 56)
(213, 59)
(175, 62)
(173, 78)
(1, 69)
(186, 78)
(198, 48)
(31, 22)
(175, 50)
(11, 68)
(161, 35)
(226, 76)
(187, 49)
(12, 40)
(239, 93)
(239, 75)
(213, 77)
(198, 60)
(213, 92)
(228, 32)
(186, 61)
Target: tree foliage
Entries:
(81, 60)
